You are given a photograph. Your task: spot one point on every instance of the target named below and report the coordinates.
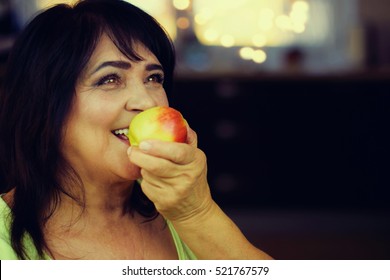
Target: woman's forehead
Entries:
(106, 50)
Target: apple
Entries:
(159, 123)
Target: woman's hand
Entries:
(174, 177)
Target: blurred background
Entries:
(291, 103)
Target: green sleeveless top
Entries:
(7, 252)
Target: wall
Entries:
(375, 19)
(301, 163)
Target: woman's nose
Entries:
(139, 99)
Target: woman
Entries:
(76, 78)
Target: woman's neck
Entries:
(95, 204)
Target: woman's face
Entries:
(109, 93)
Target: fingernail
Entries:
(145, 146)
(129, 151)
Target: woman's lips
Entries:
(121, 134)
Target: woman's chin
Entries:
(133, 173)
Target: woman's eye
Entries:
(156, 78)
(112, 79)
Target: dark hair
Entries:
(39, 88)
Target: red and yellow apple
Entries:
(158, 123)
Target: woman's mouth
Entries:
(122, 134)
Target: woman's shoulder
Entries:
(8, 197)
(5, 209)
(6, 250)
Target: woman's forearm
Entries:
(213, 235)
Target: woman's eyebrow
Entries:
(116, 64)
(154, 66)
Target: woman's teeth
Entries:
(124, 131)
(122, 134)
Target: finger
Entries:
(161, 199)
(192, 137)
(165, 194)
(160, 167)
(179, 153)
(152, 191)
